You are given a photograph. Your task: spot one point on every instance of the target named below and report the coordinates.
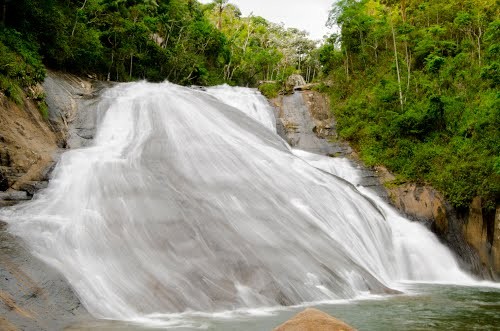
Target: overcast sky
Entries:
(309, 15)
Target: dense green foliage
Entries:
(415, 86)
(270, 89)
(122, 39)
(20, 64)
(259, 50)
(182, 41)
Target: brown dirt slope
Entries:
(27, 143)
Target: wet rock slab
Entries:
(33, 295)
(304, 120)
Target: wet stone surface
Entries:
(33, 295)
(304, 120)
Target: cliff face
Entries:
(473, 234)
(27, 148)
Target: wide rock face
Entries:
(33, 296)
(314, 320)
(30, 144)
(72, 105)
(303, 120)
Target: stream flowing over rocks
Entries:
(189, 200)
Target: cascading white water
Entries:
(419, 254)
(247, 100)
(187, 203)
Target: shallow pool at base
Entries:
(423, 307)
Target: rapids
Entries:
(188, 200)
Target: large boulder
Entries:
(294, 81)
(314, 320)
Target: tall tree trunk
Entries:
(397, 66)
(479, 45)
(4, 12)
(247, 39)
(76, 18)
(131, 64)
(403, 10)
(347, 64)
(408, 63)
(111, 65)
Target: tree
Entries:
(220, 5)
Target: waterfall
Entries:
(188, 200)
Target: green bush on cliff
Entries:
(20, 64)
(270, 90)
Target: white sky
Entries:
(309, 15)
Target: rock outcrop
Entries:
(473, 234)
(28, 145)
(294, 81)
(314, 320)
(303, 120)
(4, 183)
(72, 103)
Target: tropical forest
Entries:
(215, 164)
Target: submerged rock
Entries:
(31, 187)
(314, 320)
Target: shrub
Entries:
(270, 90)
